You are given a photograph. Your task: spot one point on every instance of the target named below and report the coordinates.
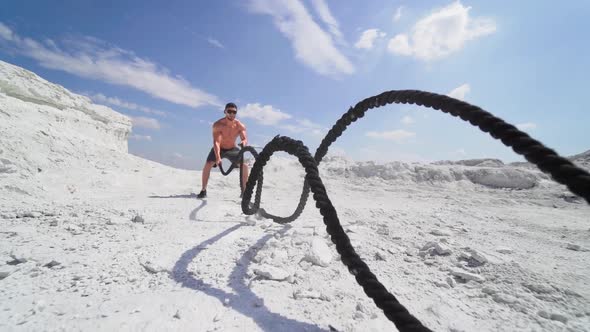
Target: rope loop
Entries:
(562, 170)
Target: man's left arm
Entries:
(243, 135)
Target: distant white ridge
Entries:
(42, 125)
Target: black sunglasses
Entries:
(232, 112)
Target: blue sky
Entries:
(294, 66)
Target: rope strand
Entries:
(562, 170)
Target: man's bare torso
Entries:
(227, 131)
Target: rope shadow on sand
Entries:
(175, 196)
(243, 300)
(193, 214)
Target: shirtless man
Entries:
(225, 132)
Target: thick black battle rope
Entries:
(243, 150)
(561, 169)
(231, 168)
(241, 159)
(396, 312)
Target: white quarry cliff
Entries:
(43, 126)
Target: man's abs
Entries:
(228, 138)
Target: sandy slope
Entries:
(464, 247)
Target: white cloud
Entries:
(270, 116)
(324, 12)
(5, 32)
(140, 137)
(407, 120)
(91, 58)
(400, 45)
(398, 14)
(266, 115)
(460, 92)
(395, 135)
(304, 125)
(143, 122)
(177, 155)
(441, 33)
(100, 98)
(215, 42)
(292, 128)
(416, 112)
(526, 126)
(308, 124)
(313, 46)
(368, 37)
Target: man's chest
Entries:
(229, 129)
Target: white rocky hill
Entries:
(582, 159)
(93, 238)
(53, 141)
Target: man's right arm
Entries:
(217, 143)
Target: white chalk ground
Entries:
(472, 246)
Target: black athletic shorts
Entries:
(231, 154)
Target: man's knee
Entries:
(209, 164)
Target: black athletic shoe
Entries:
(202, 194)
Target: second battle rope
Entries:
(562, 170)
(241, 159)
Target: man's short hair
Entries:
(230, 105)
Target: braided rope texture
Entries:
(562, 170)
(395, 311)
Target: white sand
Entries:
(472, 246)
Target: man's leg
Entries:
(209, 163)
(205, 174)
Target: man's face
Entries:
(230, 113)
